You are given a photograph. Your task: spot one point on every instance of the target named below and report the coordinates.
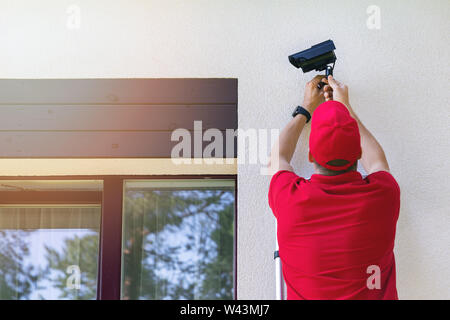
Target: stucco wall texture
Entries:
(398, 78)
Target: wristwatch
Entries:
(303, 111)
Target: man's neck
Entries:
(331, 173)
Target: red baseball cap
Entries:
(334, 135)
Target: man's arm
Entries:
(373, 158)
(284, 148)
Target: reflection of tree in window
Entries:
(38, 244)
(17, 278)
(178, 244)
(77, 251)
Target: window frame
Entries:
(111, 201)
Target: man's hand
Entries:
(313, 95)
(335, 90)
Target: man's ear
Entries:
(310, 157)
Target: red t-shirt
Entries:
(333, 230)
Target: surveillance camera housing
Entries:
(316, 58)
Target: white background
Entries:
(398, 78)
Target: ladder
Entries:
(279, 281)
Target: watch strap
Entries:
(303, 111)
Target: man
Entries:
(336, 230)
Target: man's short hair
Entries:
(337, 162)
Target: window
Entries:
(179, 233)
(178, 239)
(118, 238)
(49, 250)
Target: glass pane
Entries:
(49, 252)
(178, 239)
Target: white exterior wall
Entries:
(398, 78)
